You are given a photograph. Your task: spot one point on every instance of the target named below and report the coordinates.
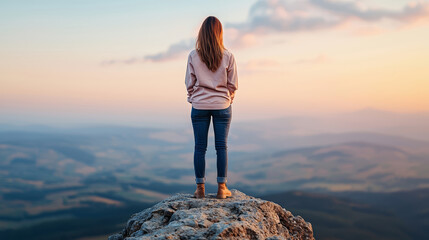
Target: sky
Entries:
(124, 62)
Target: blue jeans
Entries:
(201, 123)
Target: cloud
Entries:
(411, 11)
(278, 16)
(174, 51)
(268, 16)
(282, 16)
(131, 60)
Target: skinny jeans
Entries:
(201, 122)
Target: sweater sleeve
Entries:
(232, 77)
(190, 78)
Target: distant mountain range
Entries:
(71, 179)
(361, 215)
(344, 215)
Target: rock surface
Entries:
(238, 217)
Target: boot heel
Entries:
(221, 196)
(200, 192)
(223, 191)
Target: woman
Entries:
(211, 81)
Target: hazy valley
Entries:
(78, 177)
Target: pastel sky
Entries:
(103, 61)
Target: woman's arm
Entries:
(232, 77)
(190, 78)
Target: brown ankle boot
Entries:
(223, 191)
(200, 192)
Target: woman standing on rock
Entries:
(211, 81)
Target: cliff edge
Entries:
(182, 216)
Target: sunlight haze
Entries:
(109, 61)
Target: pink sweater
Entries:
(207, 89)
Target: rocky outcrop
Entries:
(240, 217)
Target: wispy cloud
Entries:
(279, 16)
(411, 11)
(174, 51)
(267, 16)
(282, 16)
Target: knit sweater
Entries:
(207, 89)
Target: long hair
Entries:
(209, 44)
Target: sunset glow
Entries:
(109, 61)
